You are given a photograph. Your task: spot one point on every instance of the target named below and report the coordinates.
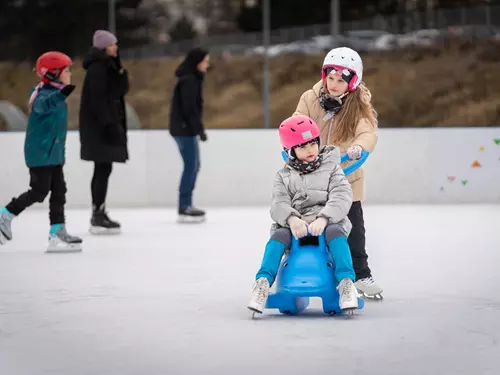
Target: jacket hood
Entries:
(186, 68)
(94, 55)
(317, 87)
(190, 63)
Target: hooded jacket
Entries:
(322, 193)
(186, 109)
(103, 123)
(365, 134)
(45, 140)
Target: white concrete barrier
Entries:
(238, 167)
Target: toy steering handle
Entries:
(358, 163)
(348, 170)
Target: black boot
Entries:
(191, 215)
(102, 224)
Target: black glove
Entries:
(67, 90)
(203, 137)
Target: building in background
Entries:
(207, 17)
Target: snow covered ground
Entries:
(165, 298)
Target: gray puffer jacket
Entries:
(324, 192)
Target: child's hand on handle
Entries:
(354, 152)
(297, 226)
(317, 227)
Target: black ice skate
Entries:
(102, 224)
(191, 215)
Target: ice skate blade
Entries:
(185, 219)
(371, 297)
(254, 310)
(71, 248)
(349, 313)
(3, 239)
(100, 231)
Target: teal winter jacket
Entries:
(45, 141)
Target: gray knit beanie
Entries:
(103, 39)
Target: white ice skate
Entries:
(260, 292)
(348, 296)
(62, 242)
(5, 226)
(368, 288)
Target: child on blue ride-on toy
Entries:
(310, 194)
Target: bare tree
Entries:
(220, 15)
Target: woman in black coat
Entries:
(186, 125)
(103, 123)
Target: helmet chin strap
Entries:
(340, 97)
(343, 95)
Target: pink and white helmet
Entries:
(297, 130)
(344, 58)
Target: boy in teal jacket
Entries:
(44, 151)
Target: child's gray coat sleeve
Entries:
(339, 197)
(281, 206)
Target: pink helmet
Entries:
(297, 130)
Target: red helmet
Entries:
(51, 64)
(297, 130)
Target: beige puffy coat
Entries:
(365, 134)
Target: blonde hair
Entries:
(356, 106)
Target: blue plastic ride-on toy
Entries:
(307, 270)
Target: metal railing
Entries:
(239, 43)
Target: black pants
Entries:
(357, 241)
(42, 181)
(99, 184)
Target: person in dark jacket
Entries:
(186, 125)
(44, 152)
(103, 123)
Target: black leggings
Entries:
(43, 180)
(357, 241)
(99, 184)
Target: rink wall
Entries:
(440, 165)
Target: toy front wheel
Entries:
(296, 306)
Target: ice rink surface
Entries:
(165, 298)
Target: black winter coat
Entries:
(103, 121)
(186, 110)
